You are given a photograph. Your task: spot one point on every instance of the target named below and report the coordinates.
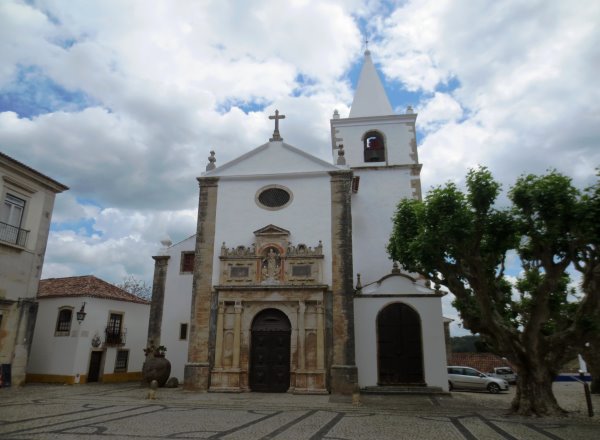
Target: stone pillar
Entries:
(26, 310)
(447, 339)
(159, 281)
(301, 336)
(197, 370)
(344, 375)
(219, 342)
(320, 339)
(237, 330)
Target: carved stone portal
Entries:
(270, 274)
(271, 260)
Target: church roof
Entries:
(274, 157)
(370, 98)
(87, 285)
(397, 284)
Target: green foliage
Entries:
(464, 344)
(461, 241)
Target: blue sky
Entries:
(123, 103)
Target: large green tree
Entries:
(462, 241)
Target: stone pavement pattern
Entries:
(99, 412)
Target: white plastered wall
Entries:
(429, 308)
(307, 217)
(372, 210)
(70, 355)
(176, 307)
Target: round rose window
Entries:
(274, 197)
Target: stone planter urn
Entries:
(156, 367)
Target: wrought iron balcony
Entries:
(115, 336)
(13, 235)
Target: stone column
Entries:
(237, 329)
(26, 309)
(197, 370)
(219, 342)
(320, 339)
(161, 262)
(344, 375)
(301, 336)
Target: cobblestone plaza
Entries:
(99, 411)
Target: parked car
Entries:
(505, 373)
(471, 379)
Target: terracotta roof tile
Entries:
(483, 362)
(87, 285)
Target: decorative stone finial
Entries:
(336, 114)
(358, 283)
(409, 110)
(277, 117)
(211, 161)
(165, 245)
(395, 268)
(341, 160)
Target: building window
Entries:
(63, 323)
(11, 219)
(374, 147)
(115, 334)
(121, 361)
(273, 197)
(183, 331)
(187, 262)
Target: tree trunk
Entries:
(591, 356)
(595, 388)
(534, 395)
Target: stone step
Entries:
(402, 389)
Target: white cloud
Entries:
(167, 84)
(525, 72)
(442, 108)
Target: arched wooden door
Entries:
(270, 352)
(399, 346)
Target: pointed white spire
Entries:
(370, 98)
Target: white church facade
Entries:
(286, 285)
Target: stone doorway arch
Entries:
(399, 346)
(270, 352)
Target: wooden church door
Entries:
(270, 352)
(399, 347)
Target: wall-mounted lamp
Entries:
(81, 314)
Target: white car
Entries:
(471, 379)
(505, 373)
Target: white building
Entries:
(87, 330)
(267, 295)
(27, 198)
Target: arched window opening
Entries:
(374, 147)
(63, 323)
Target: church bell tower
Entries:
(380, 147)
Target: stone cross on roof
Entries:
(277, 117)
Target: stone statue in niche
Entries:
(270, 266)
